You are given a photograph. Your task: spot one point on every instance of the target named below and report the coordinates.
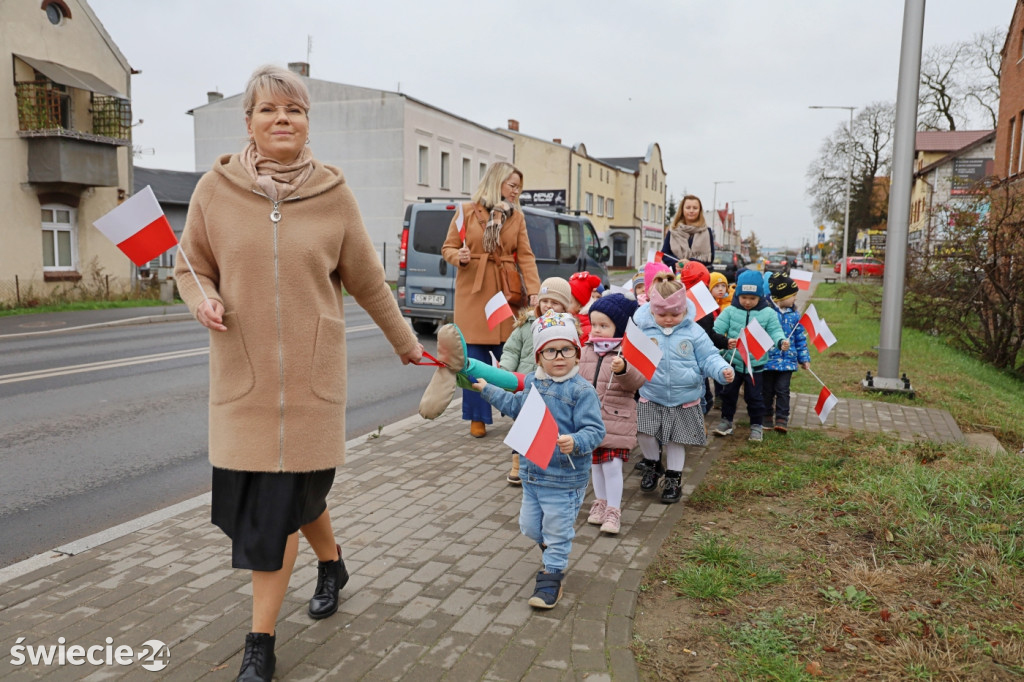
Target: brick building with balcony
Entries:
(65, 113)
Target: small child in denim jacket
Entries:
(552, 497)
(778, 371)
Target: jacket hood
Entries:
(323, 178)
(644, 318)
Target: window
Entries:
(588, 202)
(423, 175)
(591, 241)
(609, 208)
(600, 205)
(56, 11)
(483, 171)
(568, 242)
(645, 210)
(446, 170)
(1009, 154)
(466, 170)
(590, 170)
(1020, 142)
(58, 222)
(601, 173)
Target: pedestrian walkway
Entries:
(440, 572)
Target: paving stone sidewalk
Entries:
(440, 575)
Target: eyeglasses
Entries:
(569, 352)
(513, 186)
(290, 110)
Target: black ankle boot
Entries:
(331, 576)
(652, 473)
(673, 487)
(258, 661)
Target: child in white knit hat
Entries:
(553, 495)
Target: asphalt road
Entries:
(101, 425)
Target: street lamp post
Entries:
(849, 175)
(714, 203)
(733, 204)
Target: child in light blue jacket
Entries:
(552, 496)
(669, 411)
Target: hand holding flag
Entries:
(534, 432)
(460, 222)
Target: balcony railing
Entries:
(45, 111)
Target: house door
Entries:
(620, 251)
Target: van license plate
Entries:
(428, 299)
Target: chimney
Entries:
(301, 68)
(556, 140)
(513, 124)
(213, 96)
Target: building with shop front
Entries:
(66, 145)
(949, 168)
(623, 197)
(393, 149)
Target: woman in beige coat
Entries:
(273, 236)
(495, 239)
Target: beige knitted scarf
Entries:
(680, 242)
(277, 180)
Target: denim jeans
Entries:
(775, 392)
(474, 407)
(751, 385)
(548, 516)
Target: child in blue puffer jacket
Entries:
(748, 303)
(669, 409)
(778, 371)
(552, 497)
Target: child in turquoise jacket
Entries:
(747, 304)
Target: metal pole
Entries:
(899, 196)
(714, 208)
(846, 218)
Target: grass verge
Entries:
(83, 305)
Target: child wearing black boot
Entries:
(669, 409)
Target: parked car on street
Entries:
(859, 265)
(778, 262)
(728, 262)
(562, 244)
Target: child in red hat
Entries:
(583, 285)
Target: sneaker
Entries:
(781, 426)
(724, 428)
(612, 520)
(597, 512)
(756, 433)
(672, 489)
(651, 475)
(548, 590)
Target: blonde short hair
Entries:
(666, 284)
(488, 192)
(274, 81)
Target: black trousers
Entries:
(751, 385)
(775, 392)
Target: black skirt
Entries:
(259, 510)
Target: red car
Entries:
(858, 265)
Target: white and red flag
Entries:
(534, 432)
(139, 227)
(809, 321)
(826, 401)
(824, 338)
(702, 299)
(460, 222)
(640, 351)
(742, 348)
(757, 340)
(802, 278)
(497, 309)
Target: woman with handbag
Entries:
(492, 254)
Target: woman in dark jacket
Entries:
(689, 237)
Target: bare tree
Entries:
(960, 83)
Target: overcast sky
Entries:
(722, 85)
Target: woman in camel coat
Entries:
(273, 236)
(495, 237)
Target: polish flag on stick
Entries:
(140, 229)
(460, 222)
(497, 310)
(702, 299)
(640, 351)
(824, 338)
(742, 348)
(756, 339)
(802, 278)
(826, 401)
(534, 432)
(809, 321)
